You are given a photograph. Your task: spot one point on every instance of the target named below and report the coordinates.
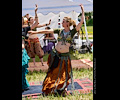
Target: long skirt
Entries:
(59, 73)
(25, 61)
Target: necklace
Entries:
(66, 33)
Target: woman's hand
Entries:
(82, 18)
(49, 21)
(36, 7)
(82, 7)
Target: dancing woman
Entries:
(34, 46)
(60, 69)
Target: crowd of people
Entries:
(59, 62)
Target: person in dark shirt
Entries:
(33, 46)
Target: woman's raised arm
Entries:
(36, 18)
(82, 19)
(38, 26)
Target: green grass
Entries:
(90, 37)
(83, 56)
(35, 76)
(87, 56)
(45, 58)
(89, 29)
(76, 96)
(83, 73)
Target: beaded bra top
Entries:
(65, 36)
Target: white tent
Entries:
(54, 18)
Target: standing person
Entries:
(60, 69)
(34, 47)
(49, 41)
(25, 57)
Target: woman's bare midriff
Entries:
(62, 48)
(33, 36)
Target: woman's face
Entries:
(64, 23)
(31, 20)
(27, 16)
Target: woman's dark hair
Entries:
(26, 15)
(48, 27)
(29, 18)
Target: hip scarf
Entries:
(35, 40)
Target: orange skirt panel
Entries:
(52, 75)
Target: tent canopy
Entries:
(54, 19)
(55, 6)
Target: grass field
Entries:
(76, 96)
(83, 56)
(89, 30)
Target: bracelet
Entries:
(46, 24)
